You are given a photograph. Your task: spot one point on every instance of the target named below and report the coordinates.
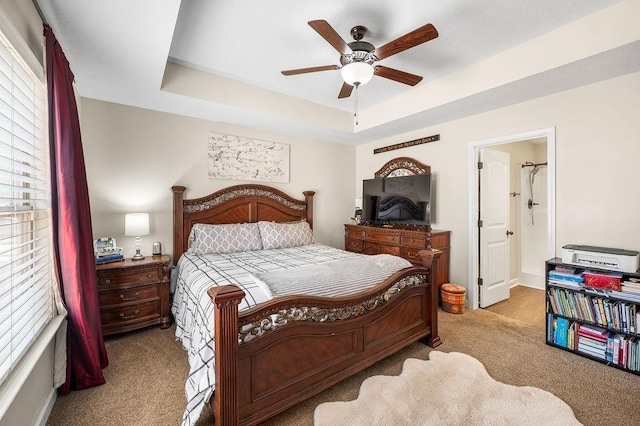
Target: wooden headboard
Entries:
(235, 204)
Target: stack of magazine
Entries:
(106, 250)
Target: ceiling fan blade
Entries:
(346, 90)
(407, 41)
(397, 75)
(311, 69)
(328, 33)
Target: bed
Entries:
(322, 340)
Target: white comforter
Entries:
(193, 310)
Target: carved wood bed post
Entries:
(308, 197)
(226, 299)
(430, 260)
(178, 224)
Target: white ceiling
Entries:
(220, 60)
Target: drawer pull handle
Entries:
(149, 275)
(108, 281)
(126, 317)
(134, 297)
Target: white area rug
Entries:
(448, 389)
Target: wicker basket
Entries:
(453, 298)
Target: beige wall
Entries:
(134, 156)
(26, 20)
(597, 172)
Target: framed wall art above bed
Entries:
(243, 158)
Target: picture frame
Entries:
(104, 246)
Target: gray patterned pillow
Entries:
(231, 238)
(282, 235)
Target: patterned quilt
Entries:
(193, 310)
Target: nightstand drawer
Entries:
(129, 278)
(131, 314)
(134, 294)
(130, 295)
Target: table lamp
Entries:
(136, 225)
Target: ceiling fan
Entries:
(358, 57)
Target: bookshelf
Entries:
(600, 323)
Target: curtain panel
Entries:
(72, 231)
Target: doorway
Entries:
(533, 228)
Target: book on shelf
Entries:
(631, 297)
(599, 355)
(601, 280)
(563, 276)
(595, 344)
(588, 333)
(567, 284)
(609, 354)
(561, 332)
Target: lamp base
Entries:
(137, 256)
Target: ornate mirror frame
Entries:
(402, 166)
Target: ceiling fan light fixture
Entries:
(357, 73)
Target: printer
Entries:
(601, 257)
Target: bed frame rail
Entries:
(324, 340)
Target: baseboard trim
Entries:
(46, 410)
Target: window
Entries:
(26, 296)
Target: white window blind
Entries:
(26, 296)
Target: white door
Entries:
(494, 221)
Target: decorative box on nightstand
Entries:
(134, 294)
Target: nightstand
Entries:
(134, 294)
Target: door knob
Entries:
(509, 233)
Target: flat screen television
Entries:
(399, 201)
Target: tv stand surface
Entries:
(401, 241)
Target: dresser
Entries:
(403, 242)
(134, 294)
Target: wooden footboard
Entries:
(284, 351)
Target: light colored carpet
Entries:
(148, 369)
(449, 388)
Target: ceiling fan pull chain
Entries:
(355, 108)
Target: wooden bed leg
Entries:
(225, 396)
(430, 261)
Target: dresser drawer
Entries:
(374, 248)
(130, 314)
(383, 237)
(127, 278)
(353, 245)
(354, 233)
(129, 296)
(415, 242)
(411, 254)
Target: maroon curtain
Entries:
(72, 232)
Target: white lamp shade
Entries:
(357, 73)
(136, 224)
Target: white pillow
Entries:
(229, 238)
(283, 235)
